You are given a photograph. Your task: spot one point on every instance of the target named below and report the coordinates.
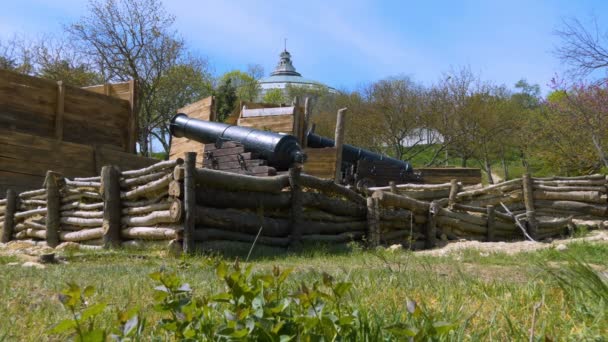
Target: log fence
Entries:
(178, 203)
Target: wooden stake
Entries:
(431, 226)
(490, 225)
(189, 201)
(53, 204)
(373, 222)
(529, 203)
(9, 219)
(307, 118)
(295, 239)
(110, 192)
(453, 192)
(393, 187)
(339, 141)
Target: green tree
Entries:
(274, 96)
(181, 85)
(225, 99)
(247, 88)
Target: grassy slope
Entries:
(490, 297)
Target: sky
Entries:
(348, 43)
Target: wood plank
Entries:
(27, 99)
(58, 156)
(125, 161)
(26, 122)
(257, 112)
(40, 168)
(196, 107)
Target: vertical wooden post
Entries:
(132, 124)
(53, 183)
(431, 226)
(529, 203)
(393, 187)
(490, 225)
(307, 118)
(112, 210)
(454, 188)
(373, 222)
(9, 215)
(295, 239)
(189, 201)
(297, 119)
(339, 141)
(59, 111)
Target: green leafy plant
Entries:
(421, 325)
(84, 312)
(82, 322)
(253, 306)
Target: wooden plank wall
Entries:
(203, 110)
(320, 162)
(51, 109)
(275, 123)
(125, 91)
(25, 158)
(438, 175)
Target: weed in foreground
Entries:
(257, 307)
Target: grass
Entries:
(490, 297)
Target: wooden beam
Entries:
(53, 203)
(296, 207)
(132, 124)
(528, 191)
(373, 222)
(189, 201)
(9, 218)
(491, 217)
(59, 111)
(110, 191)
(307, 119)
(339, 141)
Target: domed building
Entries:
(285, 74)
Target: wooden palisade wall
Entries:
(46, 125)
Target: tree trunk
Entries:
(505, 168)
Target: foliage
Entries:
(225, 99)
(135, 39)
(84, 313)
(258, 307)
(274, 96)
(246, 83)
(181, 85)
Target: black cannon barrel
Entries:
(352, 154)
(280, 150)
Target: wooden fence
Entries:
(178, 202)
(131, 207)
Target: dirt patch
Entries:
(599, 236)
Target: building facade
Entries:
(285, 75)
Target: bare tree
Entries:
(583, 48)
(132, 39)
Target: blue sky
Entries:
(348, 43)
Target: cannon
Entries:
(280, 150)
(367, 168)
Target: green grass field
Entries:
(486, 297)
